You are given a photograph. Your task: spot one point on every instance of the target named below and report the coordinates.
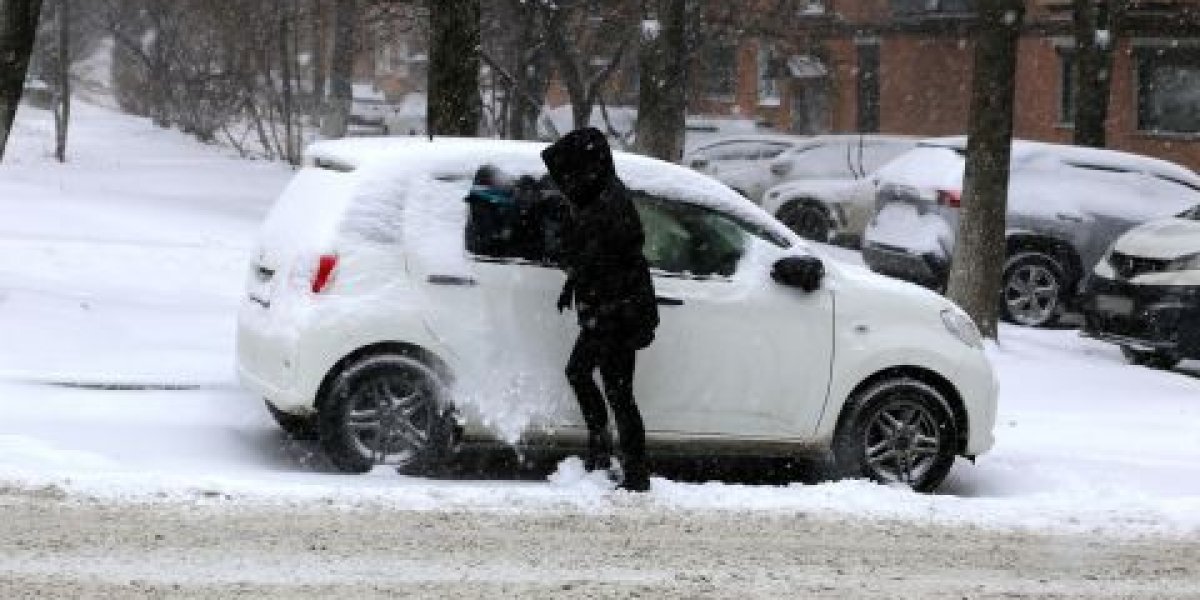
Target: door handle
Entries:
(667, 301)
(452, 280)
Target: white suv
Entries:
(368, 325)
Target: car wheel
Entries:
(1155, 359)
(296, 427)
(897, 431)
(1032, 293)
(386, 410)
(809, 220)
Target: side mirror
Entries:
(804, 272)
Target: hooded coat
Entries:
(608, 278)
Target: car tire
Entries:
(296, 427)
(809, 220)
(1033, 290)
(386, 409)
(1154, 359)
(896, 431)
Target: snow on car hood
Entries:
(1164, 238)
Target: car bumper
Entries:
(1146, 317)
(929, 270)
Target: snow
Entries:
(121, 273)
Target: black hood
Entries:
(580, 164)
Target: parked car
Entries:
(831, 195)
(368, 325)
(1066, 205)
(1145, 294)
(369, 111)
(743, 162)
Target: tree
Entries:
(581, 34)
(662, 98)
(979, 250)
(454, 55)
(1095, 36)
(62, 104)
(18, 27)
(341, 75)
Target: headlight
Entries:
(1190, 262)
(962, 327)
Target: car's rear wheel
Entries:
(296, 427)
(808, 219)
(386, 410)
(1155, 359)
(1033, 289)
(897, 431)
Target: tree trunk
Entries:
(1093, 63)
(287, 84)
(662, 101)
(319, 65)
(454, 103)
(18, 26)
(979, 250)
(62, 108)
(341, 76)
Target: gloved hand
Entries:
(565, 299)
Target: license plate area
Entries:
(1117, 305)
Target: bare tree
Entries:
(341, 75)
(62, 105)
(979, 249)
(454, 104)
(662, 98)
(18, 27)
(1095, 36)
(580, 38)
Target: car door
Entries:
(735, 355)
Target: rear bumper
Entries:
(1145, 317)
(929, 270)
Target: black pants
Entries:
(615, 358)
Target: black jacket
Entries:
(607, 274)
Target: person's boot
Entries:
(599, 453)
(635, 475)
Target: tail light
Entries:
(325, 265)
(950, 198)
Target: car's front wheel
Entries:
(808, 219)
(1155, 359)
(386, 410)
(1034, 285)
(897, 431)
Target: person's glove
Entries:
(565, 298)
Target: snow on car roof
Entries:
(449, 158)
(1031, 151)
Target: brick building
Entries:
(904, 67)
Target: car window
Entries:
(768, 151)
(688, 239)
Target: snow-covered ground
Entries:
(120, 273)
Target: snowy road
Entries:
(122, 270)
(55, 549)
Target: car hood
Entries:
(1164, 239)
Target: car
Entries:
(1066, 205)
(369, 325)
(743, 162)
(1145, 294)
(831, 195)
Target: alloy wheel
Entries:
(902, 442)
(1031, 294)
(391, 418)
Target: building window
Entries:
(768, 74)
(1169, 90)
(1066, 87)
(720, 71)
(868, 88)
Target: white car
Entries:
(830, 194)
(367, 324)
(1144, 295)
(743, 162)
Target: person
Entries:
(609, 286)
